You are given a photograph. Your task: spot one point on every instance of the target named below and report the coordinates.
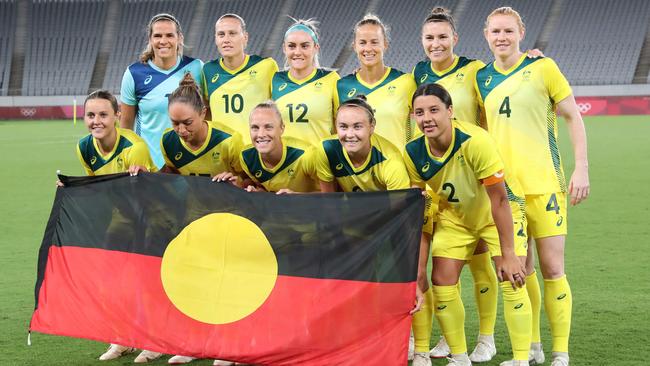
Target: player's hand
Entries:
(135, 169)
(285, 191)
(419, 298)
(59, 183)
(509, 268)
(579, 185)
(252, 188)
(225, 177)
(534, 53)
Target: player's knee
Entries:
(552, 271)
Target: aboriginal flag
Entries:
(182, 265)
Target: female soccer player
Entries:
(521, 98)
(109, 150)
(304, 92)
(233, 84)
(459, 162)
(275, 163)
(146, 83)
(388, 90)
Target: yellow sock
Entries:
(516, 310)
(535, 296)
(450, 313)
(485, 291)
(558, 303)
(423, 322)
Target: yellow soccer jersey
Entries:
(219, 153)
(129, 150)
(295, 171)
(519, 105)
(458, 80)
(382, 170)
(232, 94)
(457, 177)
(391, 99)
(307, 105)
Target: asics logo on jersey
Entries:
(519, 306)
(488, 80)
(339, 166)
(442, 307)
(148, 79)
(216, 155)
(423, 78)
(215, 77)
(291, 172)
(352, 92)
(178, 156)
(426, 167)
(485, 289)
(559, 221)
(282, 87)
(93, 160)
(258, 174)
(561, 297)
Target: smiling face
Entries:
(230, 38)
(164, 39)
(188, 123)
(370, 45)
(300, 50)
(432, 116)
(438, 41)
(266, 130)
(100, 118)
(503, 35)
(354, 129)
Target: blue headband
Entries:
(301, 28)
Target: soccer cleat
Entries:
(514, 363)
(146, 356)
(115, 351)
(411, 354)
(421, 359)
(459, 360)
(222, 363)
(560, 359)
(179, 360)
(536, 354)
(484, 350)
(441, 350)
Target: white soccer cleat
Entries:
(459, 360)
(514, 363)
(560, 359)
(222, 363)
(441, 350)
(411, 354)
(115, 351)
(421, 359)
(146, 356)
(179, 360)
(484, 350)
(536, 354)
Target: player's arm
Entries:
(579, 183)
(204, 92)
(129, 102)
(508, 266)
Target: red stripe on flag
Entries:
(118, 297)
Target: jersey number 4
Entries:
(299, 108)
(234, 103)
(505, 107)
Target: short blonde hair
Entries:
(506, 10)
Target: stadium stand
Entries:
(7, 24)
(132, 35)
(63, 45)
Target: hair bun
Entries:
(439, 11)
(188, 81)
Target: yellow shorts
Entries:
(546, 214)
(451, 240)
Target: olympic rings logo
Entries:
(584, 107)
(28, 112)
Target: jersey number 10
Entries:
(234, 103)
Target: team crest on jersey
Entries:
(488, 80)
(282, 87)
(93, 160)
(339, 166)
(426, 167)
(178, 156)
(148, 79)
(460, 77)
(291, 172)
(252, 74)
(423, 78)
(258, 174)
(214, 78)
(391, 90)
(526, 75)
(461, 159)
(215, 156)
(318, 85)
(352, 92)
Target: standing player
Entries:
(460, 163)
(388, 90)
(233, 84)
(109, 150)
(521, 98)
(146, 84)
(304, 92)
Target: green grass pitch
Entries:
(606, 261)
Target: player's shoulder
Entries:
(130, 136)
(263, 62)
(416, 148)
(296, 143)
(386, 147)
(222, 128)
(470, 129)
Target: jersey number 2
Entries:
(505, 107)
(302, 108)
(452, 190)
(233, 103)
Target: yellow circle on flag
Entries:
(219, 269)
